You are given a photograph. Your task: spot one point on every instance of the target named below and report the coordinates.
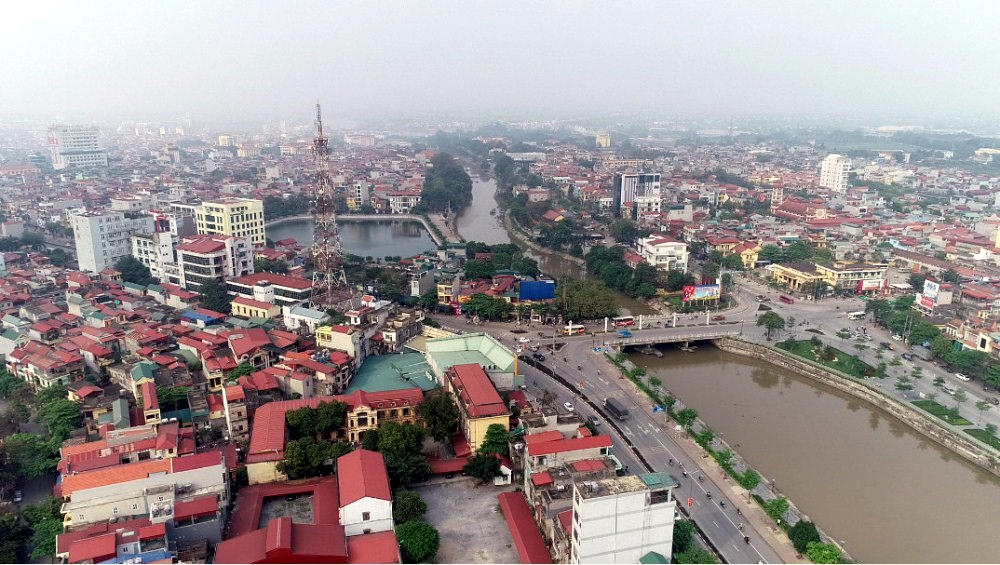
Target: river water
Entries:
(368, 238)
(862, 476)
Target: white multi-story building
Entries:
(664, 253)
(219, 257)
(629, 186)
(76, 146)
(104, 237)
(835, 172)
(622, 519)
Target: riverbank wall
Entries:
(432, 230)
(966, 448)
(516, 233)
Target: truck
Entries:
(786, 299)
(615, 408)
(922, 352)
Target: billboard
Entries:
(925, 301)
(931, 289)
(702, 292)
(537, 290)
(869, 284)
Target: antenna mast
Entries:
(329, 279)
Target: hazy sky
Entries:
(271, 60)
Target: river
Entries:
(477, 224)
(863, 477)
(368, 238)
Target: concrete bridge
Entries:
(675, 335)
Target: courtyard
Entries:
(472, 528)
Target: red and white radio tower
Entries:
(330, 286)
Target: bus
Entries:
(786, 299)
(575, 329)
(623, 321)
(856, 315)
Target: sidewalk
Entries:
(753, 514)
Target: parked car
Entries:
(908, 356)
(993, 400)
(885, 345)
(568, 406)
(539, 357)
(963, 378)
(897, 337)
(18, 497)
(523, 339)
(948, 390)
(718, 318)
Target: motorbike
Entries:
(709, 495)
(722, 503)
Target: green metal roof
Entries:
(392, 372)
(142, 370)
(657, 481)
(471, 348)
(653, 558)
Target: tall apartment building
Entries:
(104, 237)
(238, 217)
(219, 257)
(76, 146)
(835, 172)
(630, 186)
(623, 519)
(157, 249)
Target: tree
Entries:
(429, 299)
(683, 535)
(903, 383)
(982, 406)
(496, 440)
(993, 375)
(405, 468)
(950, 276)
(172, 396)
(624, 231)
(261, 265)
(487, 307)
(60, 417)
(941, 347)
(305, 458)
(960, 397)
(802, 533)
(917, 373)
(677, 280)
(301, 423)
(418, 541)
(406, 506)
(396, 438)
(916, 280)
(134, 271)
(446, 185)
(330, 417)
(587, 299)
(214, 296)
(694, 555)
(241, 370)
(823, 552)
(10, 385)
(32, 456)
(938, 382)
(482, 466)
(687, 416)
(13, 535)
(991, 429)
(440, 414)
(369, 440)
(771, 322)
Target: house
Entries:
(365, 497)
(244, 307)
(664, 253)
(479, 403)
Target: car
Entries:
(963, 378)
(993, 400)
(539, 357)
(897, 337)
(886, 345)
(718, 318)
(18, 497)
(518, 349)
(908, 356)
(948, 390)
(568, 406)
(523, 339)
(624, 333)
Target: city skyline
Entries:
(255, 62)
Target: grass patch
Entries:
(949, 415)
(985, 437)
(843, 362)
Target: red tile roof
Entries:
(541, 478)
(444, 466)
(204, 244)
(282, 541)
(267, 439)
(573, 444)
(201, 506)
(249, 302)
(527, 539)
(326, 502)
(377, 548)
(361, 474)
(476, 390)
(94, 549)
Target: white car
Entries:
(524, 339)
(962, 377)
(568, 406)
(897, 337)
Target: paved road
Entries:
(653, 436)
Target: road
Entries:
(654, 437)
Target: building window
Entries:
(79, 517)
(367, 531)
(135, 507)
(366, 516)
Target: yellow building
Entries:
(479, 403)
(249, 308)
(794, 275)
(240, 217)
(749, 253)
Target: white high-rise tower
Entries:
(835, 172)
